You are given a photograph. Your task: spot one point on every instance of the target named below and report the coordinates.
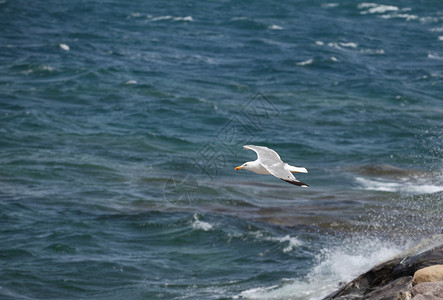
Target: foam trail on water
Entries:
(421, 186)
(306, 62)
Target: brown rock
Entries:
(428, 290)
(429, 274)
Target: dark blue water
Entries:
(121, 124)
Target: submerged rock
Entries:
(392, 279)
(387, 170)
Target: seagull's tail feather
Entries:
(296, 182)
(293, 169)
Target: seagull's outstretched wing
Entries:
(272, 162)
(296, 182)
(264, 154)
(280, 170)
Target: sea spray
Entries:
(333, 266)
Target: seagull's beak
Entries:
(239, 167)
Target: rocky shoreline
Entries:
(416, 274)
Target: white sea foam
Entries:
(374, 8)
(131, 82)
(341, 45)
(440, 38)
(306, 62)
(47, 68)
(239, 19)
(290, 242)
(161, 18)
(168, 17)
(429, 19)
(366, 5)
(408, 186)
(373, 51)
(349, 45)
(434, 56)
(64, 47)
(200, 225)
(39, 68)
(407, 17)
(319, 43)
(330, 5)
(334, 265)
(134, 15)
(275, 27)
(382, 9)
(186, 19)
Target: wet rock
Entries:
(432, 273)
(392, 279)
(396, 289)
(409, 265)
(387, 170)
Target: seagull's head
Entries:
(245, 166)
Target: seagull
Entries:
(268, 162)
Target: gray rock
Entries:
(429, 289)
(392, 291)
(409, 265)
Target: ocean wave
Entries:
(168, 17)
(248, 23)
(389, 11)
(131, 82)
(403, 185)
(197, 224)
(330, 5)
(290, 242)
(306, 62)
(373, 51)
(187, 19)
(275, 27)
(333, 266)
(373, 8)
(435, 56)
(407, 17)
(342, 45)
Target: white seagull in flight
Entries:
(268, 162)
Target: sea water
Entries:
(121, 123)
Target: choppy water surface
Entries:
(121, 124)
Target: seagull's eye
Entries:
(246, 165)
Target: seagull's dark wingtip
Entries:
(296, 182)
